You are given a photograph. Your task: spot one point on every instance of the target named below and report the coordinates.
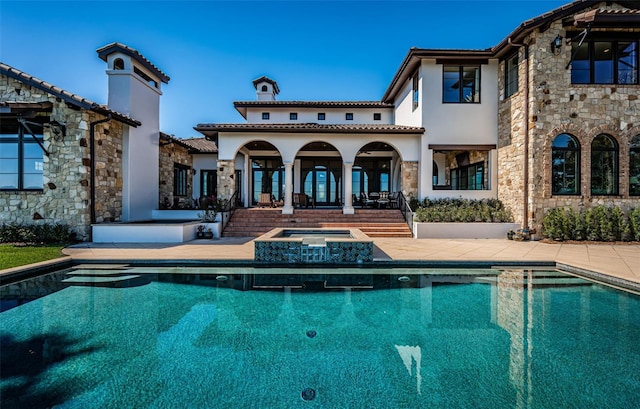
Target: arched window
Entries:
(264, 88)
(604, 165)
(118, 64)
(634, 166)
(565, 167)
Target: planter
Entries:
(214, 228)
(204, 235)
(462, 230)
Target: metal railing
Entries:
(405, 209)
(229, 208)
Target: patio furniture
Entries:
(365, 200)
(277, 203)
(394, 200)
(265, 200)
(383, 200)
(300, 200)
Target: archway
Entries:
(320, 176)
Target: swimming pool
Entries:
(362, 338)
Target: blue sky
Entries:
(212, 50)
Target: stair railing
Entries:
(231, 205)
(406, 211)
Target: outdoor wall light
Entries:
(59, 130)
(556, 45)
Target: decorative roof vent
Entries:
(266, 89)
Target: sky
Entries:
(213, 50)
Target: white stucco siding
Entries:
(310, 115)
(404, 112)
(200, 162)
(460, 123)
(348, 145)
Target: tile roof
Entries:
(314, 104)
(194, 145)
(269, 80)
(66, 96)
(309, 127)
(108, 49)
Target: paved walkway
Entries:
(614, 260)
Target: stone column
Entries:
(226, 173)
(348, 189)
(288, 189)
(410, 179)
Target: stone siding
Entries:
(226, 175)
(169, 155)
(557, 106)
(410, 173)
(65, 197)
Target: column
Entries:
(226, 173)
(348, 189)
(288, 189)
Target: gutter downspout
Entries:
(525, 173)
(92, 166)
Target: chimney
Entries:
(266, 89)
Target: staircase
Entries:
(255, 222)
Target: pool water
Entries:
(446, 339)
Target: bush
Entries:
(36, 233)
(452, 210)
(599, 223)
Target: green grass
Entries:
(11, 256)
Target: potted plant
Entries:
(203, 233)
(510, 234)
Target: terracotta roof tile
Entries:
(314, 104)
(108, 49)
(309, 127)
(65, 95)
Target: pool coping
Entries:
(30, 270)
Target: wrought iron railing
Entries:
(232, 204)
(405, 209)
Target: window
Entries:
(180, 173)
(634, 166)
(377, 116)
(265, 115)
(348, 116)
(461, 84)
(208, 182)
(21, 158)
(264, 88)
(293, 116)
(604, 166)
(118, 64)
(565, 165)
(605, 62)
(416, 91)
(469, 177)
(321, 116)
(511, 76)
(434, 174)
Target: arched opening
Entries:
(320, 173)
(604, 165)
(266, 171)
(565, 165)
(118, 64)
(634, 166)
(264, 88)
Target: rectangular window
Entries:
(416, 91)
(321, 116)
(293, 116)
(265, 115)
(21, 158)
(605, 62)
(511, 76)
(348, 116)
(460, 84)
(180, 174)
(377, 116)
(469, 177)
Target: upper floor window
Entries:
(293, 116)
(377, 116)
(264, 88)
(21, 158)
(565, 165)
(118, 64)
(348, 116)
(605, 62)
(265, 115)
(511, 76)
(634, 166)
(416, 91)
(460, 84)
(604, 165)
(321, 116)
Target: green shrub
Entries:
(600, 223)
(634, 224)
(453, 210)
(36, 233)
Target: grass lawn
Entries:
(11, 256)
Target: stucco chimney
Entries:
(266, 89)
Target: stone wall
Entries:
(226, 174)
(557, 106)
(65, 197)
(169, 155)
(410, 174)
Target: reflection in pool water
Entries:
(183, 339)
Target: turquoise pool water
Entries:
(188, 338)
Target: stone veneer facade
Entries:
(65, 196)
(556, 106)
(169, 155)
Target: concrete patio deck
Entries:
(620, 261)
